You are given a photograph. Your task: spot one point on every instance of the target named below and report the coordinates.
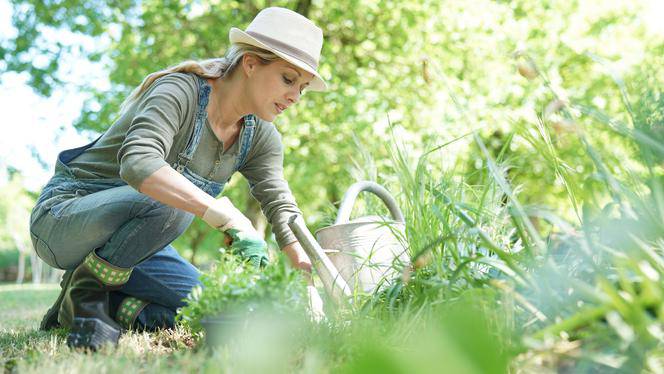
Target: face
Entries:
(274, 87)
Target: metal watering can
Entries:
(360, 253)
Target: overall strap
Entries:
(245, 142)
(201, 115)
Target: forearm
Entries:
(171, 188)
(298, 259)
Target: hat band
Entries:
(285, 48)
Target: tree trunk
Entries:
(303, 7)
(21, 268)
(22, 250)
(55, 275)
(36, 266)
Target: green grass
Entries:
(25, 349)
(23, 305)
(576, 285)
(424, 344)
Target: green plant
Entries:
(234, 287)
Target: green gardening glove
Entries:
(249, 246)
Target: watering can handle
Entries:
(349, 200)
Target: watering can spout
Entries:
(334, 283)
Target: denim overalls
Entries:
(75, 216)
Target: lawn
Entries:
(270, 345)
(25, 349)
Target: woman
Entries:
(112, 208)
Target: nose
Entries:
(293, 96)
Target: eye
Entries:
(286, 80)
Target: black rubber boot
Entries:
(50, 319)
(84, 307)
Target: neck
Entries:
(225, 107)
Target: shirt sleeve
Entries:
(264, 170)
(160, 113)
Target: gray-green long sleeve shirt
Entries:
(156, 128)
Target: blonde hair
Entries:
(210, 69)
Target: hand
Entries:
(223, 215)
(250, 246)
(315, 304)
(298, 258)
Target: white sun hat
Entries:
(288, 35)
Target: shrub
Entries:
(235, 287)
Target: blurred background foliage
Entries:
(420, 72)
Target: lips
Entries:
(280, 108)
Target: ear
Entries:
(249, 64)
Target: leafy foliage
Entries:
(523, 141)
(237, 289)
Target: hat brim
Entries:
(238, 36)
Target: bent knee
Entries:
(164, 216)
(176, 220)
